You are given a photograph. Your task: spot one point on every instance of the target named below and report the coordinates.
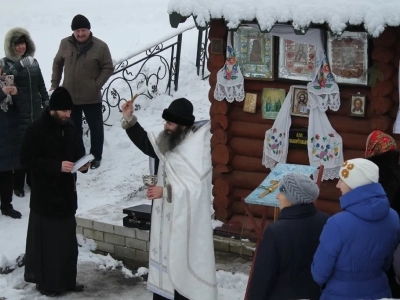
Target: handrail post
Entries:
(205, 56)
(178, 61)
(198, 55)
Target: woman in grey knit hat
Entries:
(282, 266)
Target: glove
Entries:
(27, 61)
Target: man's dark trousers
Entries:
(94, 118)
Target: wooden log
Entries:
(328, 207)
(220, 136)
(354, 141)
(249, 130)
(237, 114)
(217, 107)
(247, 147)
(217, 29)
(222, 154)
(222, 186)
(211, 68)
(220, 119)
(257, 210)
(216, 175)
(248, 164)
(222, 201)
(382, 54)
(387, 38)
(246, 180)
(393, 111)
(212, 79)
(382, 88)
(394, 96)
(386, 70)
(258, 85)
(382, 123)
(350, 125)
(222, 169)
(381, 105)
(241, 221)
(341, 124)
(395, 81)
(395, 60)
(211, 95)
(215, 61)
(328, 190)
(354, 145)
(223, 214)
(238, 194)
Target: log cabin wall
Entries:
(237, 141)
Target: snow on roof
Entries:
(374, 14)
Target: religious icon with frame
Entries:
(299, 103)
(271, 102)
(348, 57)
(296, 60)
(255, 53)
(216, 46)
(357, 105)
(250, 103)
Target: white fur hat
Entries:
(358, 172)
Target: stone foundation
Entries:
(131, 245)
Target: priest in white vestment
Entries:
(181, 253)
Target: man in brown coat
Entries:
(87, 66)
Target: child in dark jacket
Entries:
(357, 244)
(282, 266)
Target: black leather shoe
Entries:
(95, 164)
(19, 193)
(11, 212)
(77, 288)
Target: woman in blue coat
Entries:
(356, 245)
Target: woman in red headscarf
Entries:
(381, 149)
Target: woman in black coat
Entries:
(282, 268)
(381, 149)
(20, 49)
(11, 103)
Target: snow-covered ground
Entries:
(126, 27)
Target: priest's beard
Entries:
(60, 118)
(167, 140)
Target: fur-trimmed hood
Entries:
(13, 35)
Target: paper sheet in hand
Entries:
(83, 161)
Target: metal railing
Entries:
(202, 52)
(150, 68)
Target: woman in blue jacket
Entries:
(356, 245)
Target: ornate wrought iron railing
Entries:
(202, 53)
(152, 69)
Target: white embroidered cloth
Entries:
(325, 145)
(181, 242)
(230, 81)
(276, 141)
